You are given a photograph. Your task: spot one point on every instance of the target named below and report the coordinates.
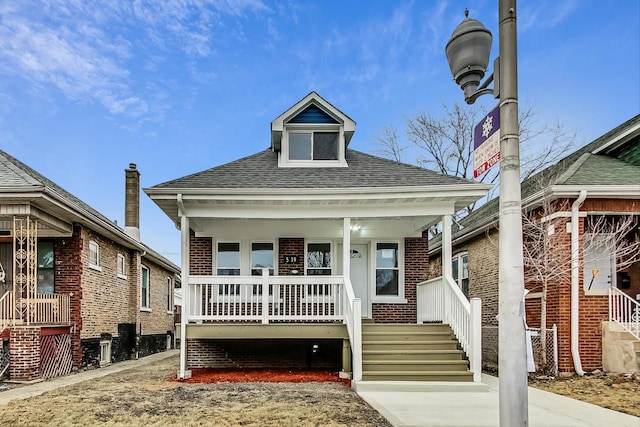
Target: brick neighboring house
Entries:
(312, 254)
(601, 179)
(76, 290)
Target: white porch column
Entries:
(346, 248)
(446, 264)
(446, 246)
(184, 228)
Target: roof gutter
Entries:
(575, 282)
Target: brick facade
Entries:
(593, 308)
(416, 270)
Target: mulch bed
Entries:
(231, 375)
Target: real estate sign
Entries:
(486, 142)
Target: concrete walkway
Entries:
(466, 405)
(410, 404)
(24, 391)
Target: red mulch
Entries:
(231, 375)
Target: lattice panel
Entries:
(55, 355)
(4, 359)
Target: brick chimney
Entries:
(132, 202)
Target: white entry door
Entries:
(360, 277)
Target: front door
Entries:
(360, 277)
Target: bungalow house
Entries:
(76, 289)
(310, 254)
(592, 294)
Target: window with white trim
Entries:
(105, 352)
(145, 292)
(94, 255)
(262, 256)
(599, 265)
(313, 145)
(169, 294)
(121, 267)
(460, 271)
(387, 269)
(228, 259)
(318, 264)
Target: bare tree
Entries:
(548, 264)
(445, 143)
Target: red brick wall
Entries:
(200, 255)
(68, 279)
(288, 246)
(416, 261)
(24, 353)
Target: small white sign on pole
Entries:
(486, 142)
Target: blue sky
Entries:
(181, 86)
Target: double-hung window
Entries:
(94, 255)
(145, 291)
(121, 267)
(45, 267)
(460, 271)
(313, 145)
(387, 270)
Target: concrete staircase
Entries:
(410, 352)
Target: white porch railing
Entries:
(269, 299)
(7, 310)
(625, 311)
(441, 300)
(42, 309)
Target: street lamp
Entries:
(468, 56)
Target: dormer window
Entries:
(312, 133)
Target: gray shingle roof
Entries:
(16, 175)
(261, 171)
(580, 168)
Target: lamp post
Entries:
(468, 56)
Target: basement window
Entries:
(105, 352)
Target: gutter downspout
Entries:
(575, 282)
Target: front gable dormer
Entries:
(312, 133)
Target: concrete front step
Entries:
(449, 376)
(414, 365)
(421, 354)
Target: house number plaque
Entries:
(291, 259)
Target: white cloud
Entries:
(89, 51)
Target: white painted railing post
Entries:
(265, 296)
(475, 357)
(357, 340)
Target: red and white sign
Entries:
(486, 143)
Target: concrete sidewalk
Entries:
(24, 391)
(465, 405)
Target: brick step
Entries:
(405, 354)
(449, 376)
(371, 366)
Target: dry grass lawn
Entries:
(144, 396)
